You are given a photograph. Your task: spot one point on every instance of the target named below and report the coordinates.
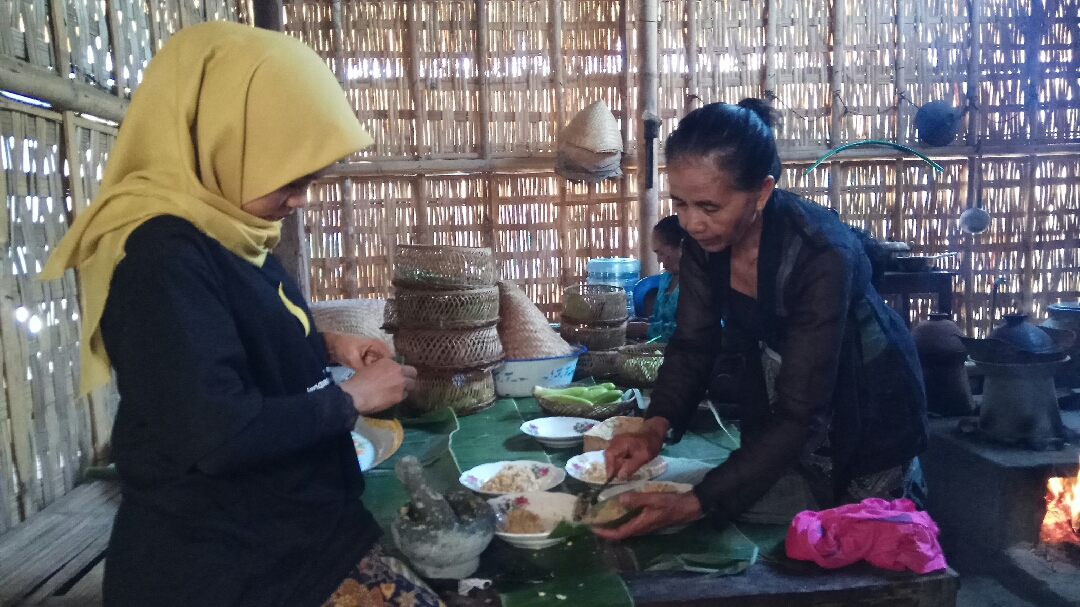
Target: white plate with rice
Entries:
(522, 476)
(589, 467)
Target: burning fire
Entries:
(1062, 521)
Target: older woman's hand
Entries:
(632, 450)
(658, 510)
(354, 351)
(379, 385)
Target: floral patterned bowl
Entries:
(550, 507)
(558, 432)
(582, 468)
(550, 476)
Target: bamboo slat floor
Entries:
(56, 546)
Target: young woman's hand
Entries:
(379, 385)
(658, 510)
(628, 452)
(354, 351)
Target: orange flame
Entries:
(1062, 521)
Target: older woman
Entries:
(778, 290)
(240, 481)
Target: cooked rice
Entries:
(520, 520)
(595, 473)
(659, 487)
(512, 479)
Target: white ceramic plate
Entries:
(558, 432)
(636, 486)
(550, 476)
(577, 465)
(550, 507)
(365, 451)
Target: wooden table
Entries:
(906, 284)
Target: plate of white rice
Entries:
(498, 478)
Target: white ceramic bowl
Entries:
(636, 486)
(558, 432)
(517, 377)
(550, 507)
(577, 465)
(550, 476)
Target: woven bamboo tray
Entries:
(466, 392)
(471, 309)
(441, 267)
(594, 303)
(449, 349)
(596, 336)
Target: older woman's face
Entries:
(714, 212)
(280, 203)
(666, 254)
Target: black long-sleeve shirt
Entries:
(849, 368)
(240, 481)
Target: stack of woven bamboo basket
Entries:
(595, 317)
(443, 318)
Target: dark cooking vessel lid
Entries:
(1024, 335)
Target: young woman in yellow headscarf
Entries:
(240, 481)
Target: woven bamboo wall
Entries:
(52, 165)
(494, 84)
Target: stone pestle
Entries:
(427, 506)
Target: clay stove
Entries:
(991, 502)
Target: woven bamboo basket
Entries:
(601, 364)
(443, 268)
(595, 336)
(466, 392)
(639, 364)
(472, 309)
(597, 412)
(594, 303)
(449, 349)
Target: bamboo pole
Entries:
(626, 100)
(350, 242)
(1033, 26)
(974, 186)
(116, 46)
(492, 222)
(416, 88)
(541, 164)
(772, 15)
(899, 71)
(558, 75)
(836, 75)
(896, 221)
(483, 45)
(975, 114)
(1027, 203)
(338, 43)
(62, 93)
(692, 46)
(58, 31)
(648, 34)
(421, 234)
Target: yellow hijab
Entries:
(225, 114)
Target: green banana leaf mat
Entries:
(581, 571)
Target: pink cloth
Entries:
(892, 535)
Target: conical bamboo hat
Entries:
(595, 129)
(523, 328)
